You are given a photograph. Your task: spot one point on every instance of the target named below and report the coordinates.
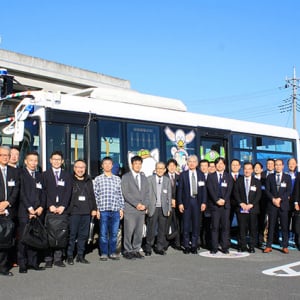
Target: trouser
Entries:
(109, 225)
(247, 223)
(157, 221)
(190, 218)
(274, 213)
(220, 216)
(133, 231)
(79, 230)
(26, 254)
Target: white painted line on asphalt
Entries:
(232, 254)
(283, 271)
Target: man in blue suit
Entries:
(219, 187)
(278, 191)
(191, 199)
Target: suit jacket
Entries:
(213, 189)
(174, 187)
(131, 193)
(284, 191)
(184, 191)
(254, 193)
(57, 195)
(31, 194)
(13, 187)
(296, 190)
(166, 195)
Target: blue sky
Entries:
(226, 58)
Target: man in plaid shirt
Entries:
(110, 203)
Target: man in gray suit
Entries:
(159, 209)
(135, 189)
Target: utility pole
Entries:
(294, 83)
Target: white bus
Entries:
(116, 122)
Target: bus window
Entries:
(77, 145)
(67, 139)
(241, 141)
(243, 156)
(144, 140)
(242, 147)
(274, 145)
(180, 143)
(110, 143)
(56, 139)
(211, 149)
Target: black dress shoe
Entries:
(36, 268)
(194, 250)
(213, 251)
(48, 264)
(6, 273)
(225, 251)
(138, 255)
(186, 250)
(22, 270)
(129, 255)
(177, 248)
(70, 260)
(59, 264)
(251, 250)
(160, 252)
(242, 249)
(148, 253)
(82, 260)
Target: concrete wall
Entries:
(36, 73)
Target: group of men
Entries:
(198, 205)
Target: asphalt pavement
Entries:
(173, 276)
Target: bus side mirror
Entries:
(19, 131)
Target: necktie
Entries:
(3, 171)
(220, 186)
(56, 177)
(137, 181)
(278, 181)
(247, 190)
(172, 179)
(159, 180)
(194, 185)
(33, 174)
(235, 177)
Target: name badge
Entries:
(263, 187)
(57, 199)
(283, 184)
(165, 191)
(253, 188)
(201, 183)
(38, 185)
(81, 198)
(224, 184)
(61, 183)
(11, 183)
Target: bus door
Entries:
(213, 145)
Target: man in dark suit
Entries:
(135, 189)
(205, 216)
(175, 215)
(278, 191)
(159, 210)
(247, 192)
(9, 193)
(191, 200)
(263, 218)
(219, 187)
(57, 185)
(31, 206)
